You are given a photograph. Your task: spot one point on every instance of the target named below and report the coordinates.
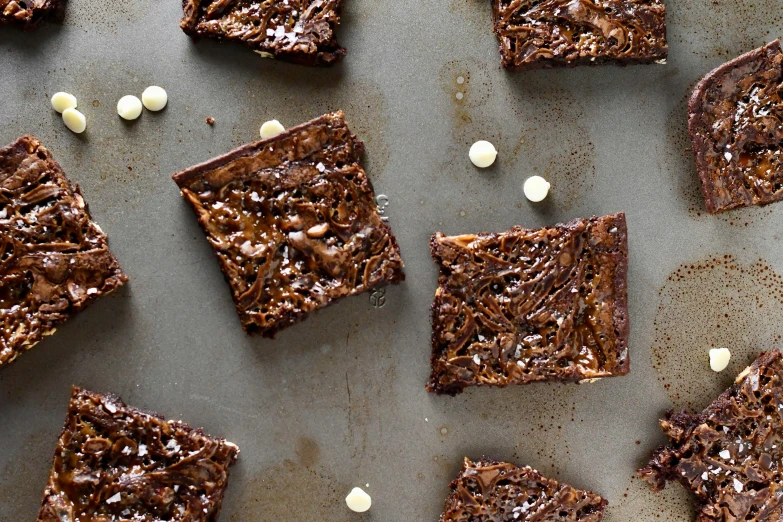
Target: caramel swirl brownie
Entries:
(734, 120)
(299, 31)
(28, 13)
(729, 456)
(54, 260)
(489, 491)
(530, 305)
(542, 34)
(294, 223)
(114, 462)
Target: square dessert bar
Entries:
(729, 456)
(114, 462)
(54, 260)
(734, 122)
(489, 490)
(28, 13)
(294, 223)
(299, 31)
(540, 34)
(530, 305)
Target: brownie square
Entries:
(734, 121)
(290, 30)
(114, 462)
(729, 455)
(530, 305)
(54, 260)
(28, 13)
(489, 490)
(294, 223)
(566, 33)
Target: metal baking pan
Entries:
(339, 400)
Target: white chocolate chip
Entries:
(129, 107)
(482, 154)
(154, 98)
(358, 500)
(536, 188)
(74, 120)
(271, 129)
(719, 359)
(62, 101)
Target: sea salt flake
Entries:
(724, 454)
(116, 498)
(737, 485)
(320, 167)
(476, 359)
(142, 450)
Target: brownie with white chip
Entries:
(527, 305)
(294, 223)
(492, 491)
(114, 462)
(296, 31)
(729, 455)
(54, 259)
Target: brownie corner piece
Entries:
(27, 14)
(492, 490)
(115, 462)
(54, 259)
(529, 305)
(293, 31)
(294, 223)
(728, 456)
(734, 124)
(562, 33)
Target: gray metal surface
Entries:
(339, 400)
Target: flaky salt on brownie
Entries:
(29, 13)
(294, 223)
(729, 456)
(488, 491)
(114, 462)
(528, 305)
(296, 31)
(734, 119)
(566, 33)
(54, 260)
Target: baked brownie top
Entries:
(294, 223)
(531, 305)
(300, 31)
(734, 121)
(54, 260)
(491, 491)
(27, 13)
(549, 33)
(729, 456)
(114, 462)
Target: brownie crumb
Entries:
(210, 120)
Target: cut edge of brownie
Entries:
(115, 277)
(599, 502)
(327, 55)
(183, 177)
(620, 312)
(115, 402)
(698, 144)
(660, 468)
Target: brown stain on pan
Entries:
(730, 27)
(307, 452)
(718, 302)
(289, 492)
(107, 16)
(640, 504)
(24, 478)
(281, 98)
(678, 161)
(476, 12)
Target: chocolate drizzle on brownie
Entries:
(294, 223)
(54, 260)
(117, 463)
(734, 119)
(729, 456)
(557, 33)
(530, 305)
(492, 491)
(299, 31)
